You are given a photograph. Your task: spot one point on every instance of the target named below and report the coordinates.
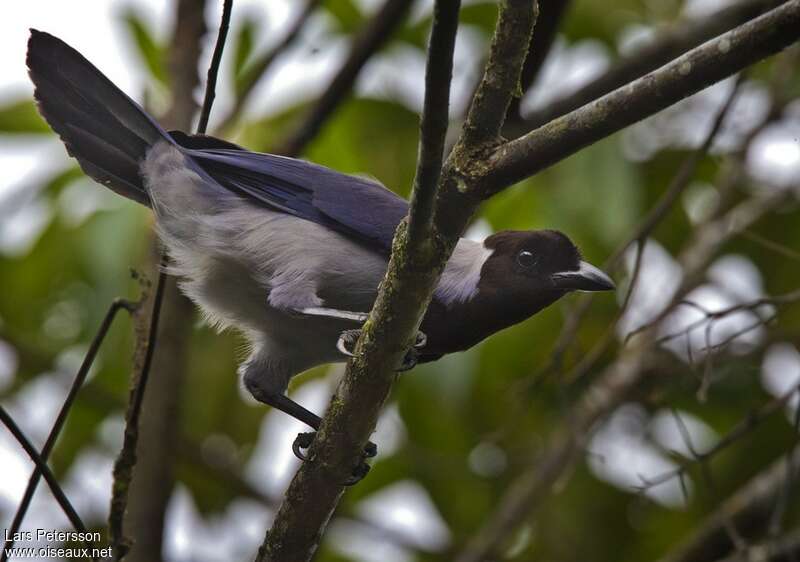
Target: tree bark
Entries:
(153, 475)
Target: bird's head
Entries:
(507, 279)
(538, 263)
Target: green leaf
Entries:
(480, 14)
(243, 50)
(22, 117)
(346, 14)
(151, 52)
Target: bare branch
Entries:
(682, 37)
(185, 51)
(213, 69)
(500, 82)
(550, 16)
(402, 300)
(781, 549)
(256, 70)
(697, 69)
(41, 465)
(747, 425)
(619, 378)
(771, 245)
(61, 418)
(435, 119)
(643, 230)
(125, 462)
(748, 510)
(711, 316)
(367, 43)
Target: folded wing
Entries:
(356, 207)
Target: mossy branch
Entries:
(481, 164)
(408, 285)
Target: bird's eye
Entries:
(526, 259)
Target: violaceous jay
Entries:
(288, 252)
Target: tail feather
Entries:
(103, 128)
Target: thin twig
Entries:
(77, 383)
(58, 493)
(434, 122)
(372, 37)
(705, 467)
(776, 520)
(547, 24)
(697, 69)
(682, 37)
(407, 288)
(741, 429)
(527, 492)
(780, 249)
(787, 298)
(125, 462)
(748, 509)
(123, 465)
(780, 549)
(213, 69)
(641, 233)
(255, 71)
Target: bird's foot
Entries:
(303, 442)
(348, 339)
(412, 355)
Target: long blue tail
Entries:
(104, 129)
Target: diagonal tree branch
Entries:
(404, 295)
(501, 80)
(550, 16)
(672, 44)
(369, 41)
(781, 549)
(748, 509)
(41, 465)
(256, 70)
(140, 513)
(213, 68)
(678, 184)
(527, 492)
(435, 119)
(478, 166)
(55, 431)
(697, 69)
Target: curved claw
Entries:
(359, 473)
(409, 361)
(302, 441)
(370, 450)
(421, 340)
(342, 349)
(348, 337)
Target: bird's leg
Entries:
(303, 440)
(288, 406)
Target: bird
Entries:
(288, 252)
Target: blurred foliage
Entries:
(53, 298)
(152, 54)
(22, 117)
